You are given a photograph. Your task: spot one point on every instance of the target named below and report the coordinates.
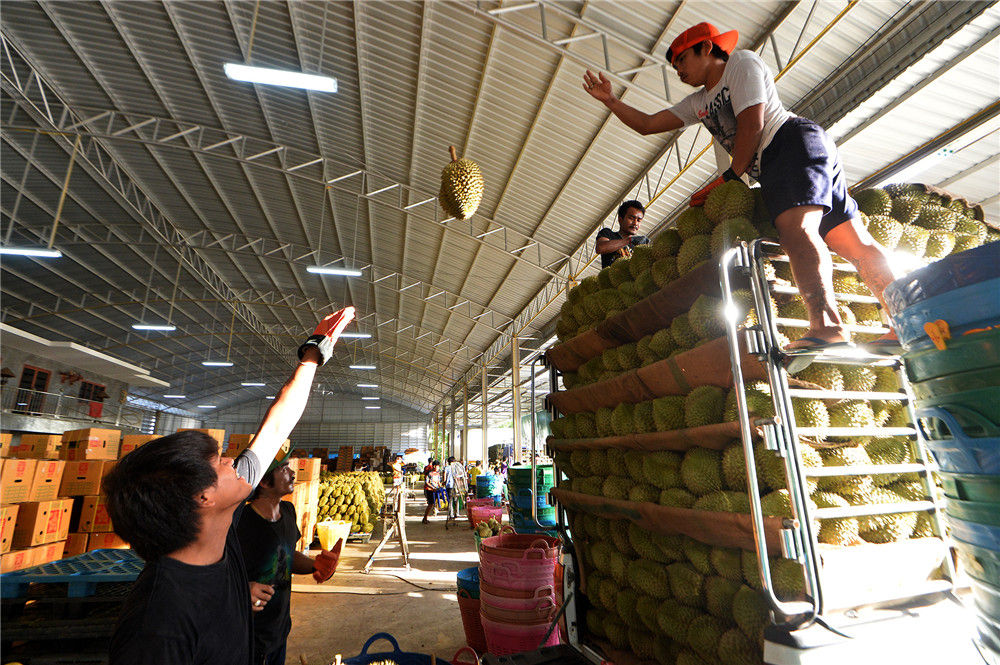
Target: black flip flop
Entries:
(800, 358)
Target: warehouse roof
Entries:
(203, 201)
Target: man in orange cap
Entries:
(792, 158)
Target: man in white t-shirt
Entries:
(792, 158)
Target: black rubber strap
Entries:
(729, 174)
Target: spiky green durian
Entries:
(693, 222)
(940, 244)
(677, 497)
(726, 563)
(611, 360)
(673, 618)
(906, 208)
(642, 542)
(586, 425)
(643, 493)
(662, 469)
(647, 607)
(823, 375)
(664, 271)
(668, 412)
(686, 584)
(701, 470)
(705, 317)
(852, 414)
(641, 261)
(729, 232)
(641, 642)
(646, 284)
(619, 272)
(735, 648)
(703, 406)
(461, 187)
(704, 634)
(628, 356)
(848, 282)
(751, 613)
(885, 230)
(642, 418)
(662, 343)
(859, 378)
(728, 200)
(616, 487)
(682, 332)
(838, 531)
(597, 459)
(622, 419)
(724, 501)
(694, 250)
(617, 632)
(866, 314)
(846, 485)
(936, 218)
(914, 240)
(810, 412)
(734, 471)
(968, 226)
(667, 243)
(874, 201)
(602, 419)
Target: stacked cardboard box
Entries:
(92, 443)
(132, 441)
(237, 444)
(218, 434)
(44, 499)
(306, 468)
(305, 498)
(5, 440)
(345, 458)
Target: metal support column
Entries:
(515, 375)
(486, 427)
(465, 423)
(453, 449)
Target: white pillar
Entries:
(515, 373)
(486, 427)
(465, 423)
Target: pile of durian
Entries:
(671, 598)
(355, 496)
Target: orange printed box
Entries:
(8, 520)
(237, 444)
(41, 522)
(76, 543)
(39, 446)
(105, 541)
(83, 478)
(94, 516)
(306, 469)
(132, 441)
(5, 441)
(16, 479)
(48, 552)
(46, 481)
(218, 434)
(17, 560)
(91, 443)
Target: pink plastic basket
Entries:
(522, 546)
(517, 574)
(517, 610)
(484, 513)
(471, 622)
(503, 639)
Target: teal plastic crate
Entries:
(80, 573)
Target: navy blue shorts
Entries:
(801, 167)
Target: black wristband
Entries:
(322, 343)
(729, 174)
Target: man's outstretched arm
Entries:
(598, 86)
(291, 400)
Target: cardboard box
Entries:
(237, 444)
(8, 519)
(47, 479)
(17, 560)
(47, 553)
(83, 478)
(39, 446)
(91, 443)
(105, 541)
(16, 478)
(218, 434)
(5, 441)
(94, 516)
(76, 543)
(306, 469)
(132, 441)
(42, 522)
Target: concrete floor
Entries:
(339, 616)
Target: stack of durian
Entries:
(355, 496)
(673, 599)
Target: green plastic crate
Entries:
(979, 512)
(971, 486)
(987, 599)
(979, 562)
(960, 382)
(964, 354)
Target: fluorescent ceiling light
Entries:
(370, 398)
(271, 397)
(216, 363)
(32, 251)
(206, 406)
(354, 335)
(346, 272)
(373, 407)
(175, 397)
(288, 79)
(367, 385)
(147, 326)
(253, 384)
(362, 366)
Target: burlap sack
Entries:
(716, 437)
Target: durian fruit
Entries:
(619, 272)
(641, 261)
(885, 230)
(703, 406)
(662, 343)
(940, 245)
(704, 634)
(673, 618)
(858, 378)
(724, 501)
(664, 270)
(666, 244)
(461, 187)
(852, 414)
(642, 418)
(668, 412)
(701, 470)
(692, 222)
(846, 456)
(728, 200)
(646, 284)
(662, 469)
(906, 208)
(695, 249)
(751, 612)
(936, 218)
(839, 531)
(731, 231)
(682, 332)
(622, 421)
(726, 562)
(705, 317)
(823, 375)
(602, 418)
(686, 584)
(735, 648)
(874, 201)
(677, 497)
(914, 240)
(734, 471)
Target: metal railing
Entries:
(59, 406)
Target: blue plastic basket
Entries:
(468, 579)
(950, 273)
(396, 655)
(960, 453)
(982, 535)
(80, 573)
(973, 306)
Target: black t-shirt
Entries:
(268, 548)
(611, 257)
(182, 614)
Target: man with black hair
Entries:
(176, 501)
(267, 533)
(794, 160)
(612, 244)
(455, 483)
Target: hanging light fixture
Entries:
(142, 325)
(226, 362)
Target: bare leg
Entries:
(812, 267)
(852, 241)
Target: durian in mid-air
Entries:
(461, 187)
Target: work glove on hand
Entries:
(326, 334)
(701, 195)
(326, 563)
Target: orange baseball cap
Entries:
(699, 33)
